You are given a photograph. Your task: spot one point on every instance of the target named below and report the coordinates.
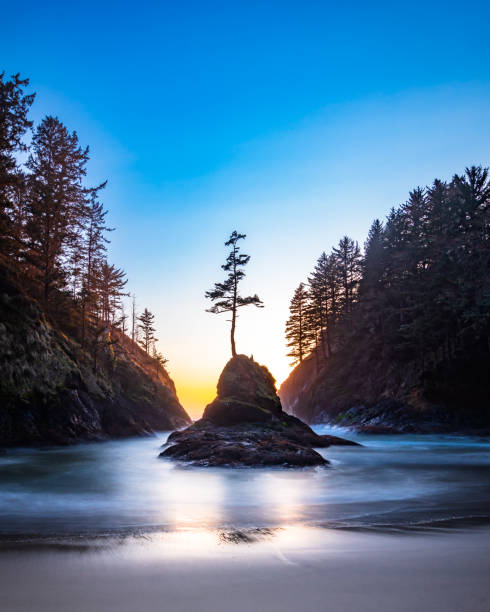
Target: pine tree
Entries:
(349, 263)
(160, 361)
(298, 333)
(57, 201)
(324, 292)
(14, 106)
(147, 320)
(92, 258)
(226, 294)
(110, 289)
(373, 260)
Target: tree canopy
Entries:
(420, 291)
(53, 229)
(225, 295)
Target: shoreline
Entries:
(243, 534)
(293, 568)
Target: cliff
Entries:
(360, 387)
(49, 393)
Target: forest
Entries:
(53, 230)
(418, 294)
(420, 290)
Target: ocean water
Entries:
(391, 482)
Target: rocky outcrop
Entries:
(246, 426)
(360, 388)
(49, 393)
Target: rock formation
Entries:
(372, 394)
(246, 426)
(49, 393)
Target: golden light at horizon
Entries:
(194, 397)
(195, 393)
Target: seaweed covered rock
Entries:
(246, 426)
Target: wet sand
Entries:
(293, 568)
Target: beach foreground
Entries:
(290, 568)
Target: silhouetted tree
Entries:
(298, 333)
(349, 267)
(14, 106)
(146, 321)
(159, 359)
(110, 289)
(92, 256)
(324, 303)
(57, 201)
(226, 294)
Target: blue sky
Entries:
(294, 122)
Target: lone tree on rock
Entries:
(225, 294)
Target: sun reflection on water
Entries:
(192, 499)
(284, 494)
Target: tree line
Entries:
(420, 290)
(53, 229)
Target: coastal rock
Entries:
(246, 426)
(356, 388)
(50, 394)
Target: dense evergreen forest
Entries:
(73, 364)
(53, 230)
(417, 301)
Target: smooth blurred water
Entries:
(394, 481)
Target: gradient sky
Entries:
(293, 122)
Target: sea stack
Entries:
(246, 426)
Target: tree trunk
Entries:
(235, 293)
(83, 321)
(232, 334)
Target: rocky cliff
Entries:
(359, 387)
(49, 393)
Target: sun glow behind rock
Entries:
(194, 394)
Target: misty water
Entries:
(391, 482)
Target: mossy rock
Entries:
(246, 393)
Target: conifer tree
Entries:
(160, 361)
(57, 201)
(298, 333)
(373, 260)
(349, 262)
(324, 292)
(92, 258)
(146, 322)
(110, 288)
(225, 294)
(14, 123)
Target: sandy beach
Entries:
(400, 524)
(293, 568)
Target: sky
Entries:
(292, 122)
